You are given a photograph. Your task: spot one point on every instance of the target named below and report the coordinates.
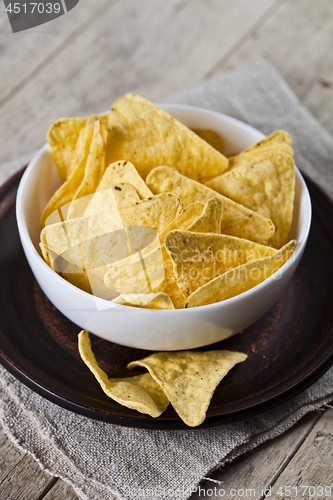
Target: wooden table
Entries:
(81, 62)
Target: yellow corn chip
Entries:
(66, 192)
(139, 393)
(210, 219)
(147, 136)
(93, 170)
(147, 301)
(124, 171)
(277, 137)
(240, 279)
(189, 378)
(186, 217)
(115, 196)
(213, 138)
(266, 187)
(247, 159)
(65, 138)
(199, 258)
(236, 220)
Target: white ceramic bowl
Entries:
(148, 328)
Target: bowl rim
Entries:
(25, 237)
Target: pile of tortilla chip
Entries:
(186, 379)
(151, 214)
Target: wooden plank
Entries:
(152, 48)
(26, 481)
(10, 456)
(24, 53)
(257, 470)
(297, 40)
(311, 466)
(61, 491)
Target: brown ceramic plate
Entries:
(288, 349)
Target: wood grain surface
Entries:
(102, 48)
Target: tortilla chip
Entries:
(147, 136)
(237, 220)
(199, 258)
(267, 187)
(211, 218)
(145, 300)
(66, 192)
(65, 138)
(139, 393)
(186, 217)
(124, 171)
(247, 159)
(151, 271)
(189, 378)
(277, 137)
(93, 171)
(212, 137)
(115, 196)
(240, 279)
(156, 212)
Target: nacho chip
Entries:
(247, 159)
(93, 170)
(186, 217)
(156, 212)
(124, 171)
(146, 301)
(151, 271)
(139, 393)
(212, 137)
(267, 187)
(66, 192)
(277, 137)
(236, 220)
(199, 258)
(115, 196)
(147, 136)
(240, 279)
(211, 218)
(65, 138)
(189, 378)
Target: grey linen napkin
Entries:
(104, 461)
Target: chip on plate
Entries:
(189, 378)
(140, 393)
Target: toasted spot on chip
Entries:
(240, 279)
(139, 393)
(147, 136)
(189, 378)
(212, 137)
(266, 186)
(210, 219)
(147, 301)
(199, 257)
(237, 220)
